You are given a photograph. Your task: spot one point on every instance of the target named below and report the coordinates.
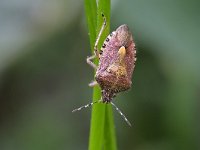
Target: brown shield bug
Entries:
(116, 64)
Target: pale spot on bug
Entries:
(122, 53)
(108, 38)
(113, 33)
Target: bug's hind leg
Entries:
(93, 83)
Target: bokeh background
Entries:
(43, 75)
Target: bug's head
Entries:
(123, 35)
(107, 95)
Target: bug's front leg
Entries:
(96, 52)
(99, 36)
(89, 61)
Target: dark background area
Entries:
(44, 75)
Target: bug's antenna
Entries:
(87, 105)
(119, 111)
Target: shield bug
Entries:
(117, 58)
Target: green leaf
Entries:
(91, 13)
(102, 131)
(109, 130)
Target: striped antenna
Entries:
(123, 116)
(88, 105)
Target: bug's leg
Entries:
(89, 61)
(93, 83)
(99, 35)
(96, 53)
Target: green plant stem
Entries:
(102, 131)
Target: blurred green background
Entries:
(44, 76)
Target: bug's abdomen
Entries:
(112, 82)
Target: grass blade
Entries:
(91, 15)
(102, 131)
